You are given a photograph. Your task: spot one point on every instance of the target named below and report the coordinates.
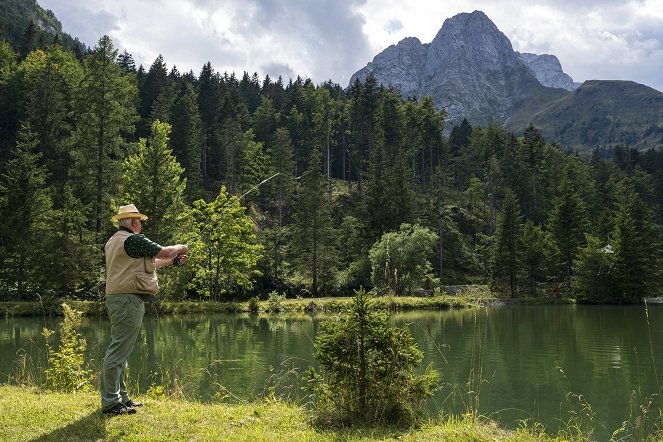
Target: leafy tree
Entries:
(25, 205)
(223, 255)
(152, 180)
(367, 369)
(399, 260)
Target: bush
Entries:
(67, 370)
(275, 302)
(367, 369)
(254, 305)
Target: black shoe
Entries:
(133, 404)
(118, 409)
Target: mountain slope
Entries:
(16, 16)
(602, 114)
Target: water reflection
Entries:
(509, 362)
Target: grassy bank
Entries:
(31, 414)
(315, 305)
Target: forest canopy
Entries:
(353, 173)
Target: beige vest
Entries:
(125, 274)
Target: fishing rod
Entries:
(234, 200)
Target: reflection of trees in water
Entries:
(516, 352)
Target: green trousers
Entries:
(126, 315)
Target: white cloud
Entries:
(608, 39)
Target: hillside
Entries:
(16, 17)
(600, 114)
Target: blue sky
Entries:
(332, 39)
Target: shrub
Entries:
(67, 370)
(254, 305)
(275, 302)
(367, 369)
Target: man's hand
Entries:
(179, 260)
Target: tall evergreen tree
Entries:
(152, 180)
(188, 139)
(593, 271)
(636, 263)
(506, 256)
(107, 97)
(283, 187)
(9, 101)
(50, 80)
(313, 232)
(567, 225)
(25, 205)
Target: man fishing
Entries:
(131, 263)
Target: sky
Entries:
(332, 39)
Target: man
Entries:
(131, 263)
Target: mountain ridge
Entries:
(471, 70)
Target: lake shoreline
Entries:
(470, 297)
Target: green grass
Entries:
(32, 414)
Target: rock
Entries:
(548, 70)
(470, 69)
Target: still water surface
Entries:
(512, 362)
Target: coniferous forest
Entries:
(303, 189)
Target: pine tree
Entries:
(187, 138)
(107, 95)
(283, 186)
(313, 239)
(593, 271)
(533, 256)
(506, 256)
(24, 205)
(264, 121)
(636, 264)
(567, 227)
(152, 180)
(72, 266)
(9, 101)
(50, 80)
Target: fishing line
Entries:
(234, 200)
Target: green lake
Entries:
(510, 362)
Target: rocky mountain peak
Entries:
(548, 70)
(470, 69)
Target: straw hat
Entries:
(128, 211)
